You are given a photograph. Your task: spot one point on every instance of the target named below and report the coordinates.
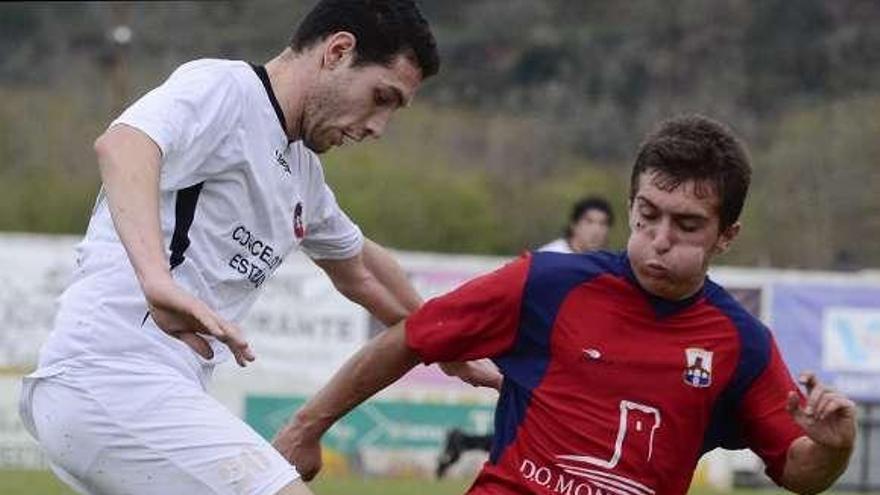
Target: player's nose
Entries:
(376, 125)
(662, 239)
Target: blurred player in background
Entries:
(209, 181)
(588, 226)
(620, 370)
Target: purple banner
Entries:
(833, 330)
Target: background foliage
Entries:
(538, 103)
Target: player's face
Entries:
(352, 103)
(590, 231)
(674, 234)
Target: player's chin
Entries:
(662, 287)
(318, 145)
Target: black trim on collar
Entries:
(264, 78)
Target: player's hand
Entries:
(480, 373)
(301, 449)
(827, 417)
(184, 316)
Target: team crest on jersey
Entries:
(698, 372)
(299, 229)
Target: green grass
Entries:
(31, 483)
(44, 483)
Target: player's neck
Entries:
(290, 77)
(581, 247)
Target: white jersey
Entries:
(558, 246)
(235, 198)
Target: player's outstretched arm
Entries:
(130, 164)
(378, 364)
(377, 282)
(382, 265)
(816, 460)
(358, 283)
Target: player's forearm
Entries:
(356, 282)
(129, 163)
(388, 271)
(379, 301)
(811, 467)
(378, 364)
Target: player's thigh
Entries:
(154, 436)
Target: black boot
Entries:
(451, 451)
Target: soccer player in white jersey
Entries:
(209, 181)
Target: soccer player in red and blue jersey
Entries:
(620, 370)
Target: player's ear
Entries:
(338, 48)
(726, 237)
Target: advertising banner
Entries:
(33, 272)
(410, 433)
(834, 330)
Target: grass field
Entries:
(43, 483)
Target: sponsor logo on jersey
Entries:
(592, 354)
(259, 258)
(570, 478)
(299, 229)
(698, 372)
(579, 474)
(281, 161)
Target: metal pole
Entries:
(120, 37)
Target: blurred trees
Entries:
(537, 103)
(446, 181)
(819, 181)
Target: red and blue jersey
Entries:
(607, 388)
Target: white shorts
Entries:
(146, 432)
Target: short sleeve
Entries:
(479, 319)
(768, 427)
(188, 116)
(330, 234)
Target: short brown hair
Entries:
(696, 148)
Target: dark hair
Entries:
(585, 205)
(696, 148)
(384, 29)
